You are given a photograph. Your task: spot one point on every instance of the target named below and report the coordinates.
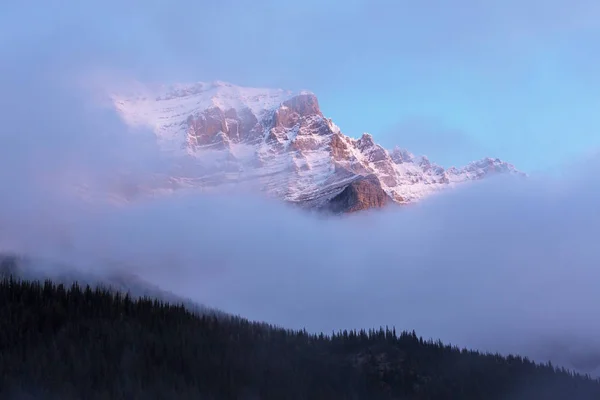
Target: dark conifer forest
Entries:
(60, 342)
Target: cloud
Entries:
(504, 265)
(56, 141)
(264, 43)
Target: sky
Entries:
(459, 80)
(504, 265)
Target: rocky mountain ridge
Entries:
(282, 142)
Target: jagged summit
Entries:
(166, 108)
(282, 141)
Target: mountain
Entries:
(281, 142)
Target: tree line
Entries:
(74, 342)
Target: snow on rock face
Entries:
(280, 139)
(166, 109)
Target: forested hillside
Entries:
(61, 342)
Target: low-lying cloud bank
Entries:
(505, 265)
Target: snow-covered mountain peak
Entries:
(226, 96)
(165, 109)
(366, 141)
(281, 141)
(400, 155)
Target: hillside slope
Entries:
(74, 343)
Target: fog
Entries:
(505, 265)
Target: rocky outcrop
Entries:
(361, 194)
(215, 128)
(292, 110)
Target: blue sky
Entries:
(457, 80)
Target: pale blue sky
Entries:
(457, 80)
